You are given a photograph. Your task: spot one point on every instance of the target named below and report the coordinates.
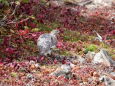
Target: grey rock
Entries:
(113, 74)
(103, 57)
(77, 59)
(46, 42)
(99, 4)
(90, 55)
(84, 2)
(103, 2)
(65, 70)
(56, 3)
(90, 4)
(32, 62)
(107, 80)
(81, 59)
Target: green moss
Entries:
(43, 27)
(35, 30)
(67, 38)
(65, 53)
(30, 43)
(43, 1)
(4, 2)
(91, 47)
(113, 56)
(1, 40)
(71, 36)
(14, 74)
(54, 25)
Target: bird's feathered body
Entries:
(46, 42)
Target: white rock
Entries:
(107, 80)
(99, 4)
(90, 55)
(56, 3)
(98, 58)
(66, 68)
(63, 70)
(103, 2)
(113, 74)
(81, 60)
(103, 57)
(78, 59)
(37, 65)
(72, 65)
(32, 62)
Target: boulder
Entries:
(107, 80)
(63, 70)
(100, 4)
(104, 58)
(90, 55)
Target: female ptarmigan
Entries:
(46, 42)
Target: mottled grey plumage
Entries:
(46, 42)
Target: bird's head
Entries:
(54, 32)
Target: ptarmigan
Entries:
(46, 42)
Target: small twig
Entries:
(4, 19)
(14, 10)
(13, 22)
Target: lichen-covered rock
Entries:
(64, 70)
(107, 80)
(104, 58)
(99, 4)
(56, 3)
(90, 55)
(103, 2)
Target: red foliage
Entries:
(23, 32)
(60, 45)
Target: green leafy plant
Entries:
(4, 2)
(91, 47)
(42, 27)
(25, 1)
(1, 40)
(13, 74)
